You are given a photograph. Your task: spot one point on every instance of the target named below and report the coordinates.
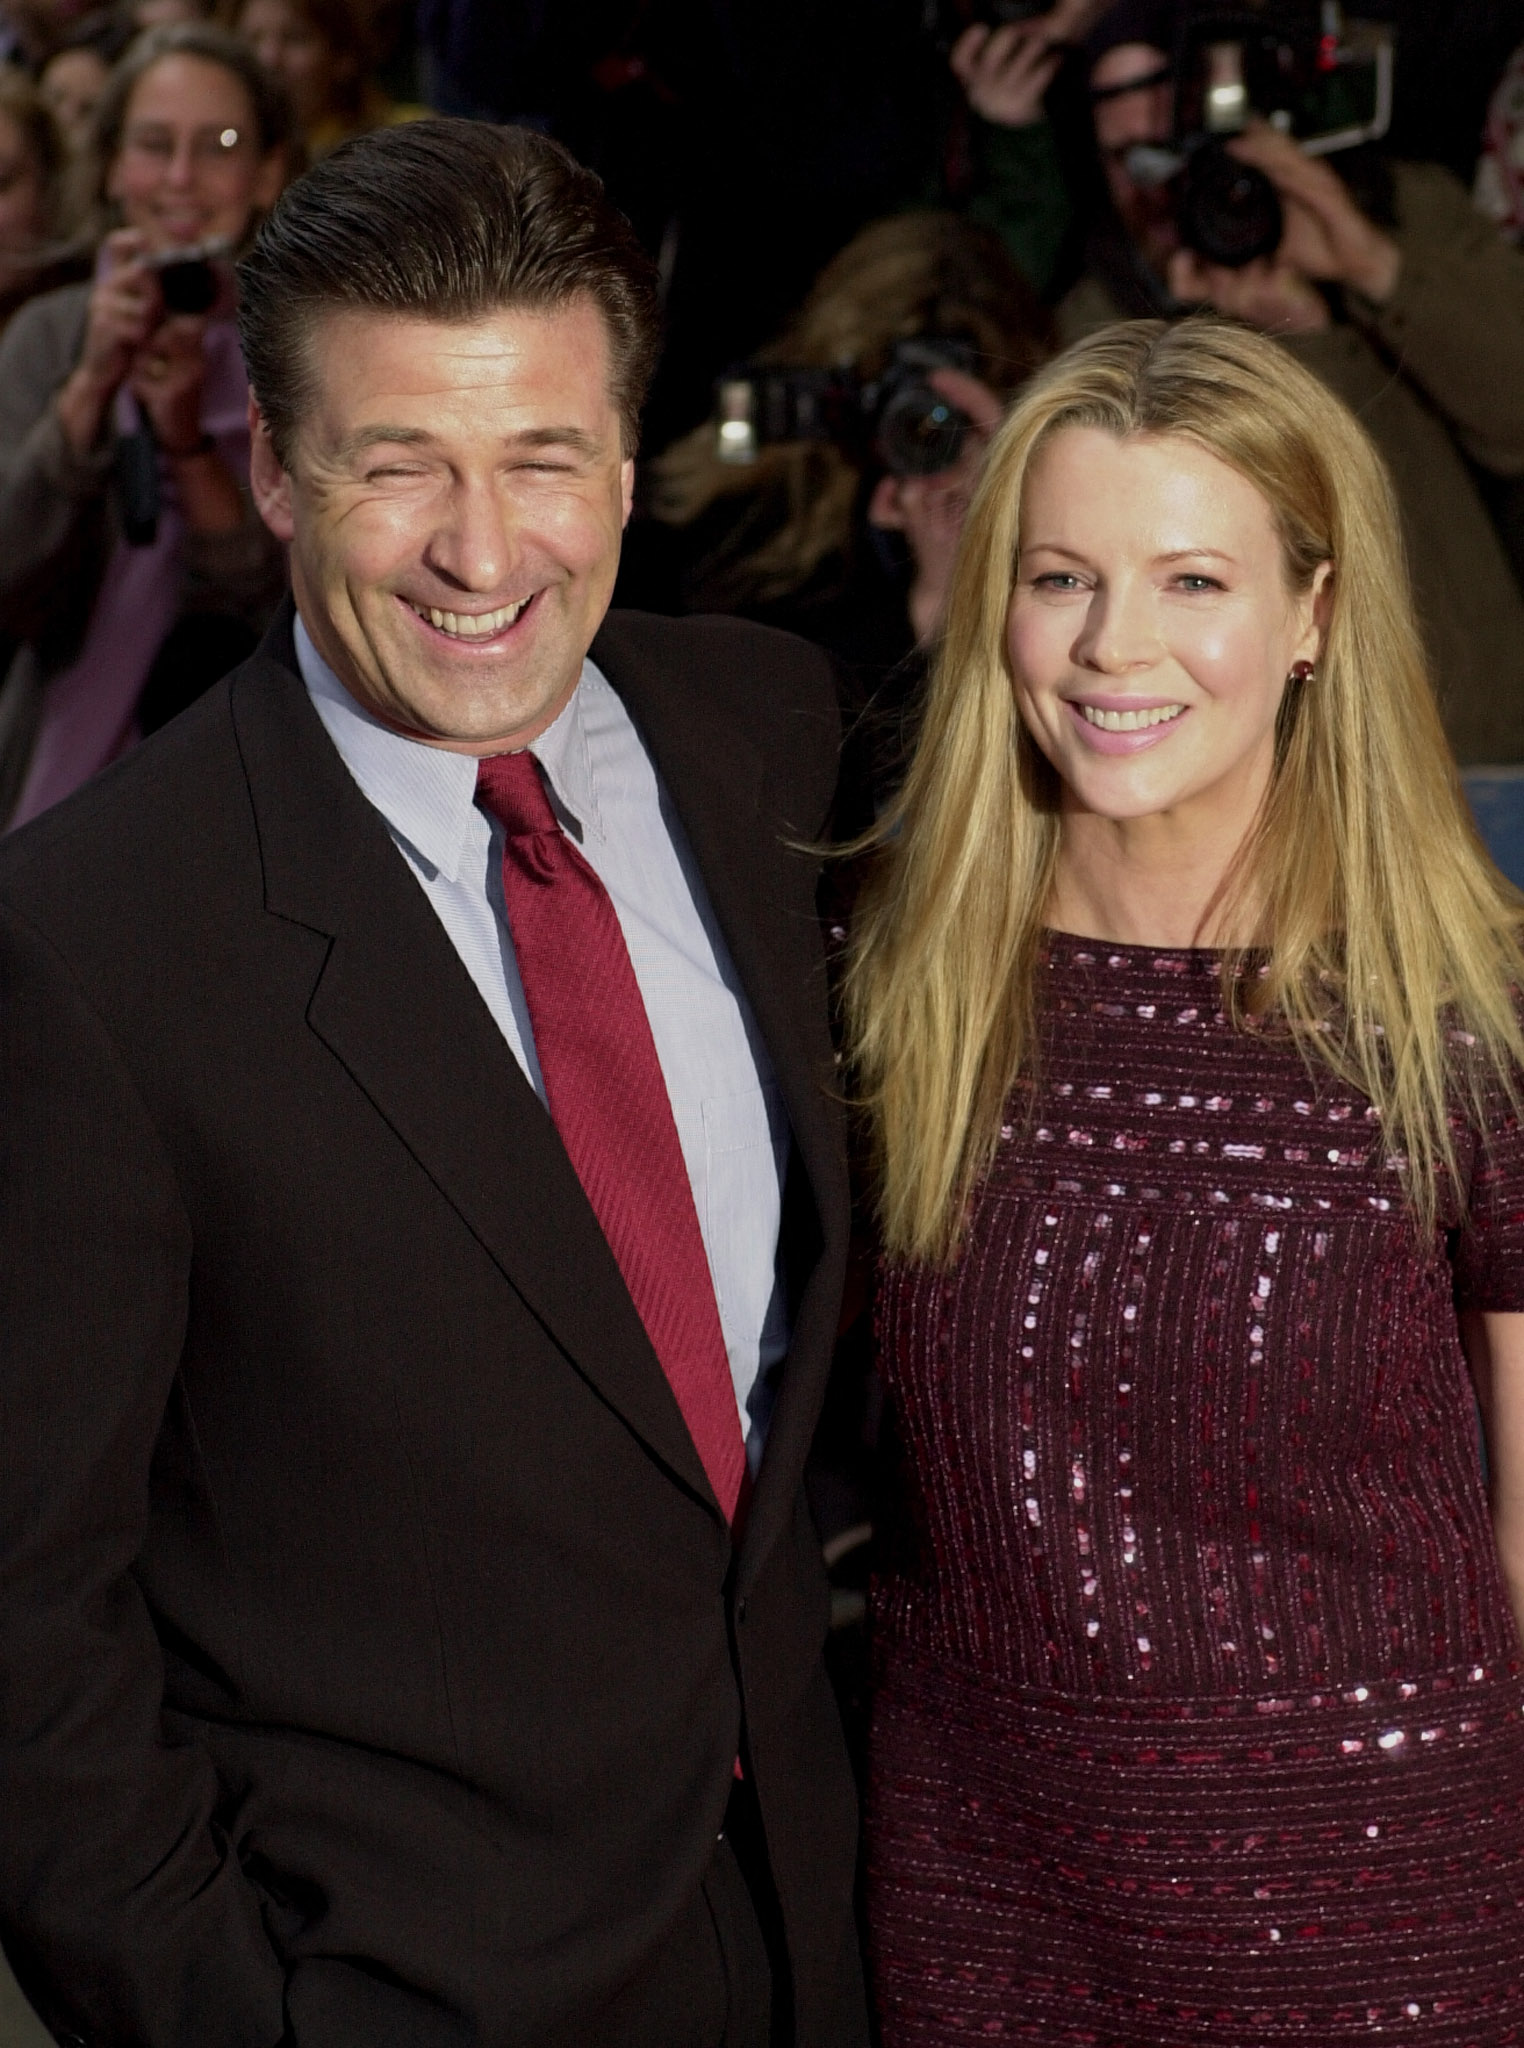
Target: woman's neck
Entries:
(1154, 881)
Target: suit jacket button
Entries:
(741, 1610)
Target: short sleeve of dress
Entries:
(1489, 1255)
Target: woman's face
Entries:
(72, 85)
(22, 193)
(1151, 628)
(295, 50)
(189, 167)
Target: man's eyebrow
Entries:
(371, 437)
(576, 439)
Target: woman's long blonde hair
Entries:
(1392, 939)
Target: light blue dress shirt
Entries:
(609, 800)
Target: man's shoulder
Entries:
(713, 691)
(761, 671)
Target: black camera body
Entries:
(1297, 64)
(190, 280)
(897, 421)
(946, 20)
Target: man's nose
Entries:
(1120, 632)
(473, 546)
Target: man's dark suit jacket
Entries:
(373, 1656)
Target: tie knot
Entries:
(510, 788)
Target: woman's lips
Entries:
(1120, 725)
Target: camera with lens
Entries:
(897, 420)
(190, 279)
(1298, 64)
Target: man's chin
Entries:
(492, 713)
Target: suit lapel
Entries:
(397, 1009)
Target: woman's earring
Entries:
(1301, 672)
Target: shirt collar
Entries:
(426, 794)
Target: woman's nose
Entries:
(1119, 632)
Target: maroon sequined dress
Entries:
(1199, 1711)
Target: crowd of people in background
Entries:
(816, 191)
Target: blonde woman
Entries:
(1184, 1006)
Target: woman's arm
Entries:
(1494, 1346)
(123, 308)
(166, 377)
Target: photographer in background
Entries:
(823, 535)
(133, 568)
(829, 535)
(1410, 308)
(1001, 164)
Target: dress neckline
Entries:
(1078, 951)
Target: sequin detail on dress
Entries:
(1200, 1717)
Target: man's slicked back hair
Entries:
(441, 220)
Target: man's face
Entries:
(1143, 115)
(454, 507)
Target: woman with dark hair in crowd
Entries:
(132, 564)
(73, 82)
(321, 51)
(1186, 1007)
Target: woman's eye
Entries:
(1192, 584)
(1056, 579)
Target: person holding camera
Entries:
(132, 565)
(1404, 301)
(836, 529)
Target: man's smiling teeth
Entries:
(1130, 721)
(470, 625)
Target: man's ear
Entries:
(269, 483)
(627, 488)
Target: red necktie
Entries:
(609, 1100)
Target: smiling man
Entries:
(424, 1226)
